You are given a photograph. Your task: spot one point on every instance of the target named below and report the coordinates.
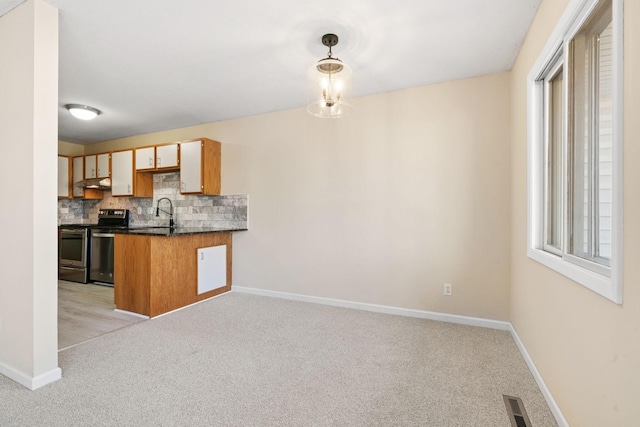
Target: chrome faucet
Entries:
(158, 210)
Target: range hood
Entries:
(96, 183)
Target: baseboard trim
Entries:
(421, 314)
(546, 393)
(430, 315)
(32, 383)
(130, 313)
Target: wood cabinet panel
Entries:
(168, 280)
(132, 256)
(212, 168)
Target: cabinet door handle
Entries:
(183, 186)
(150, 161)
(128, 188)
(159, 161)
(201, 256)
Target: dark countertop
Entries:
(178, 231)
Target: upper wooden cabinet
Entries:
(145, 158)
(200, 166)
(167, 156)
(90, 167)
(157, 157)
(122, 173)
(97, 166)
(78, 174)
(131, 171)
(125, 181)
(64, 177)
(104, 165)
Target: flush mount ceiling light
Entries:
(82, 112)
(329, 85)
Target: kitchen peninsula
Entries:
(160, 269)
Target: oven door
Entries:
(73, 247)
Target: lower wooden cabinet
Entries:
(157, 274)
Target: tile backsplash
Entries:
(188, 210)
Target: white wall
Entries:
(381, 207)
(28, 139)
(586, 347)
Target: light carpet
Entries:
(247, 360)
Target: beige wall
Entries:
(382, 207)
(70, 149)
(28, 132)
(586, 347)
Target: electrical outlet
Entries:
(139, 210)
(447, 289)
(190, 210)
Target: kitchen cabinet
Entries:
(104, 165)
(96, 166)
(200, 167)
(156, 274)
(90, 167)
(212, 268)
(167, 156)
(145, 158)
(157, 158)
(125, 181)
(64, 177)
(77, 173)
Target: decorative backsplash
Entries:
(188, 210)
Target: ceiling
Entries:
(153, 65)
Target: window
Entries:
(575, 148)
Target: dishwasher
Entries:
(101, 244)
(101, 269)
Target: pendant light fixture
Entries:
(329, 85)
(82, 112)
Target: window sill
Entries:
(608, 287)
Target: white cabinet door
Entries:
(167, 156)
(90, 167)
(145, 158)
(190, 167)
(103, 165)
(63, 176)
(78, 175)
(212, 268)
(122, 173)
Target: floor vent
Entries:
(515, 410)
